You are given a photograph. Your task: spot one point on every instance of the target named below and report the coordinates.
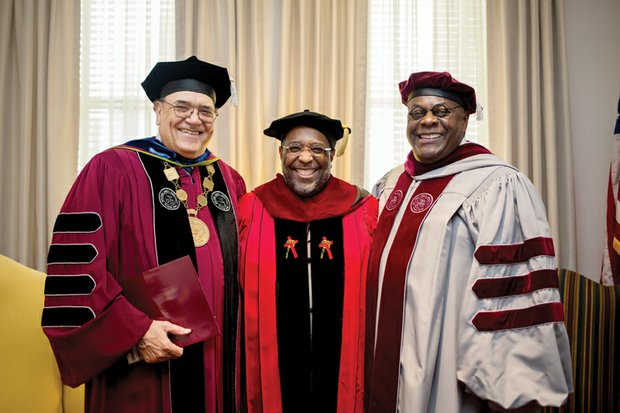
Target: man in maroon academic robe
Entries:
(135, 207)
(305, 239)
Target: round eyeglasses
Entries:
(439, 111)
(315, 150)
(185, 111)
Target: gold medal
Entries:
(200, 231)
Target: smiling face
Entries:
(304, 173)
(186, 136)
(433, 138)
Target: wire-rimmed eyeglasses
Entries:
(315, 150)
(185, 111)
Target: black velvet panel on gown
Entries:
(309, 340)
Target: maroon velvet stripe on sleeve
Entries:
(514, 253)
(517, 285)
(520, 318)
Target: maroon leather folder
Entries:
(173, 292)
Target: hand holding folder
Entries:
(172, 292)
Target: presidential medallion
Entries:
(200, 231)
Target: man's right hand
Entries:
(156, 346)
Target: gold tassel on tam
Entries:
(342, 143)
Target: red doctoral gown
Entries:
(268, 218)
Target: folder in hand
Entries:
(172, 292)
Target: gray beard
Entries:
(305, 191)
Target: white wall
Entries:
(593, 50)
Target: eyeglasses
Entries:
(438, 111)
(183, 111)
(315, 150)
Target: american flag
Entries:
(610, 274)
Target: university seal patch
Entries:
(394, 200)
(421, 203)
(221, 201)
(168, 199)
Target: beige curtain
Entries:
(39, 75)
(121, 42)
(528, 109)
(284, 56)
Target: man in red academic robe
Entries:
(135, 207)
(304, 239)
